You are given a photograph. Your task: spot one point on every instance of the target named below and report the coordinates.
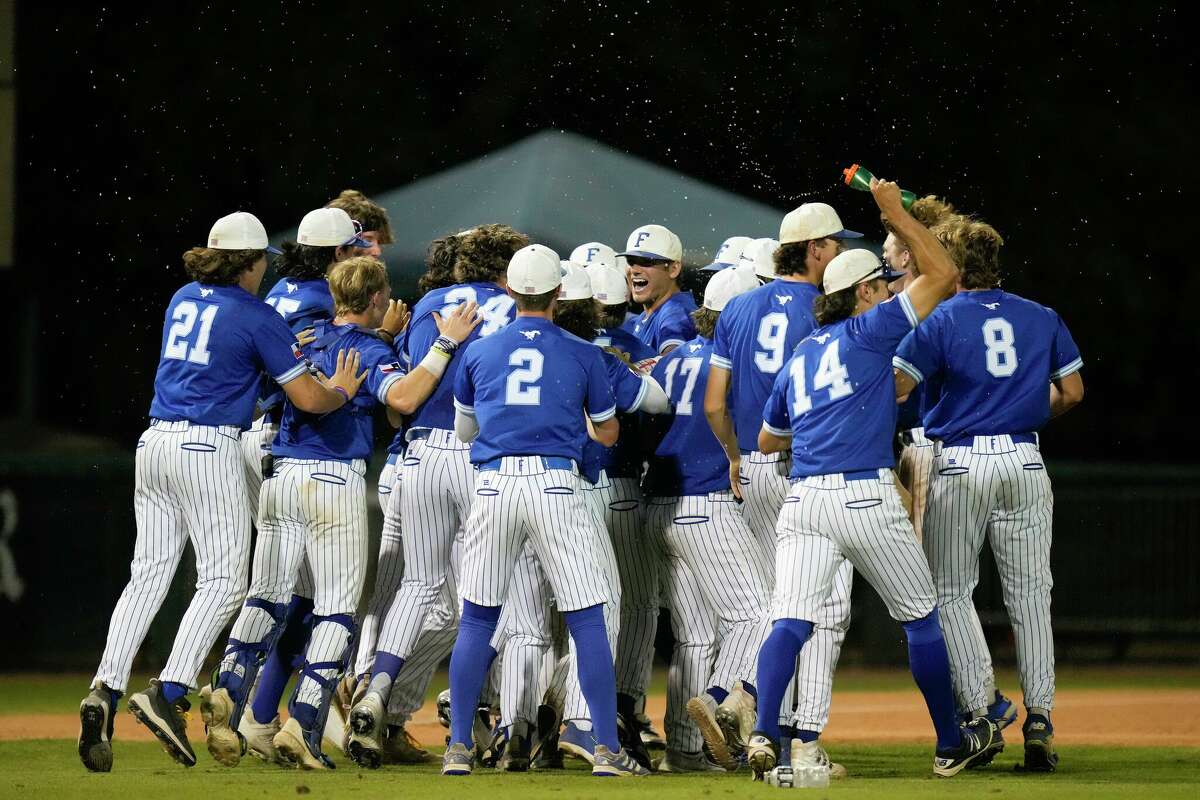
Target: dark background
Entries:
(1071, 130)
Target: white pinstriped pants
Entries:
(256, 443)
(316, 510)
(1000, 489)
(806, 703)
(188, 485)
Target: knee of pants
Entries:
(229, 591)
(924, 630)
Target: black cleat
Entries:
(977, 738)
(96, 729)
(1040, 755)
(629, 736)
(165, 720)
(515, 757)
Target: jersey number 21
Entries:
(179, 346)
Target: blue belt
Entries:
(417, 433)
(392, 458)
(548, 462)
(855, 475)
(969, 441)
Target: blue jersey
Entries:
(497, 309)
(344, 434)
(910, 413)
(990, 356)
(529, 386)
(217, 341)
(755, 336)
(626, 342)
(836, 397)
(689, 459)
(669, 325)
(622, 460)
(301, 303)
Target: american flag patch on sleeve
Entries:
(297, 350)
(387, 369)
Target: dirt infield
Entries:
(1081, 716)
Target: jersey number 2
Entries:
(178, 347)
(517, 389)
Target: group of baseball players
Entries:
(579, 444)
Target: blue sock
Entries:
(930, 665)
(718, 694)
(776, 665)
(305, 714)
(597, 679)
(469, 664)
(281, 659)
(387, 664)
(750, 689)
(807, 736)
(172, 691)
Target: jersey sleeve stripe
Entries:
(719, 361)
(292, 374)
(381, 395)
(909, 311)
(907, 368)
(670, 343)
(464, 408)
(784, 432)
(1069, 369)
(604, 416)
(641, 395)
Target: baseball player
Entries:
(521, 397)
(720, 576)
(189, 481)
(655, 258)
(833, 404)
(371, 218)
(728, 254)
(436, 472)
(591, 254)
(754, 338)
(1002, 366)
(313, 507)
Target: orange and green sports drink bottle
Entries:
(859, 177)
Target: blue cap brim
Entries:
(890, 274)
(357, 241)
(275, 251)
(716, 266)
(645, 254)
(844, 234)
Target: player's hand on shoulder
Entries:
(621, 354)
(887, 196)
(395, 319)
(346, 376)
(460, 322)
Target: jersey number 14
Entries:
(831, 374)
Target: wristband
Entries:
(435, 361)
(446, 345)
(342, 392)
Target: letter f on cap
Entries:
(641, 237)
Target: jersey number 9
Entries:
(772, 335)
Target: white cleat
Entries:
(736, 717)
(225, 745)
(292, 748)
(260, 737)
(703, 711)
(366, 732)
(813, 756)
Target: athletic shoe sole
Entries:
(95, 751)
(1040, 756)
(712, 734)
(143, 712)
(293, 751)
(572, 749)
(225, 745)
(364, 749)
(950, 770)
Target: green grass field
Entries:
(50, 768)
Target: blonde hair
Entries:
(975, 248)
(354, 282)
(364, 211)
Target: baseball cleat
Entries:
(457, 760)
(336, 731)
(578, 743)
(544, 747)
(631, 742)
(399, 747)
(678, 761)
(703, 711)
(977, 737)
(301, 748)
(167, 721)
(515, 757)
(443, 708)
(650, 737)
(225, 745)
(812, 754)
(1002, 711)
(367, 731)
(96, 729)
(1040, 755)
(260, 737)
(762, 754)
(607, 764)
(736, 716)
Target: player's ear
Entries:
(675, 270)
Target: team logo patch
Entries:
(783, 299)
(530, 335)
(297, 351)
(291, 287)
(695, 347)
(205, 292)
(824, 337)
(991, 306)
(387, 369)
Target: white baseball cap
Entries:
(853, 267)
(240, 230)
(534, 269)
(329, 227)
(594, 253)
(813, 221)
(608, 285)
(728, 253)
(576, 285)
(654, 241)
(759, 257)
(726, 285)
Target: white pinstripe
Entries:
(999, 489)
(189, 483)
(524, 635)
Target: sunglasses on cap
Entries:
(637, 261)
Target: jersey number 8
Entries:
(185, 320)
(999, 338)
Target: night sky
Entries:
(1068, 128)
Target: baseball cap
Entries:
(813, 221)
(534, 269)
(608, 285)
(576, 284)
(758, 257)
(728, 253)
(329, 227)
(726, 285)
(240, 230)
(594, 253)
(853, 267)
(654, 241)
